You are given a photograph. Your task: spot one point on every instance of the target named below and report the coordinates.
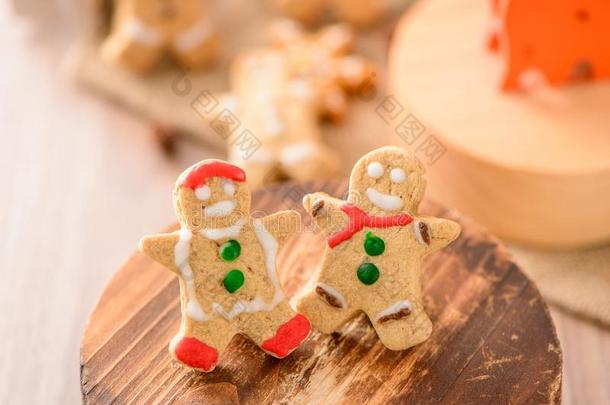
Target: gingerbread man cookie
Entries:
(280, 93)
(356, 12)
(143, 31)
(226, 264)
(375, 246)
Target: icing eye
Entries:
(203, 193)
(398, 176)
(375, 170)
(229, 188)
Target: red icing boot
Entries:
(196, 354)
(288, 337)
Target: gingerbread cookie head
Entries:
(211, 194)
(387, 181)
(311, 54)
(321, 62)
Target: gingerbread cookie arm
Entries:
(326, 212)
(435, 233)
(282, 224)
(354, 73)
(161, 248)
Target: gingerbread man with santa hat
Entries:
(226, 264)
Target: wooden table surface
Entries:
(82, 182)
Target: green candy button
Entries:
(230, 250)
(233, 281)
(368, 273)
(373, 245)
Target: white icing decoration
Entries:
(203, 193)
(336, 37)
(398, 176)
(219, 209)
(417, 231)
(194, 36)
(336, 294)
(229, 188)
(271, 119)
(181, 259)
(138, 32)
(352, 69)
(269, 246)
(374, 170)
(223, 233)
(301, 89)
(296, 153)
(384, 201)
(395, 308)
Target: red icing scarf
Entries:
(358, 219)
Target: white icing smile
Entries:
(384, 201)
(220, 209)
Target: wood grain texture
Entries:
(49, 132)
(517, 162)
(493, 339)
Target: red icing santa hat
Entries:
(200, 173)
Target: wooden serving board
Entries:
(167, 94)
(493, 339)
(532, 166)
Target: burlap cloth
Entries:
(578, 281)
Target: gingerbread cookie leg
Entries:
(326, 307)
(278, 332)
(134, 45)
(196, 46)
(199, 345)
(401, 323)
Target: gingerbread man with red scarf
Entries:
(375, 246)
(226, 264)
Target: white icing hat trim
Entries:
(384, 201)
(374, 170)
(398, 176)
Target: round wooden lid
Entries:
(493, 339)
(442, 70)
